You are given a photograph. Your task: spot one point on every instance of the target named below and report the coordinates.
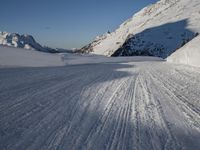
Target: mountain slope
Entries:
(22, 41)
(157, 30)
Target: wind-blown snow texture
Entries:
(189, 54)
(157, 30)
(22, 41)
(138, 105)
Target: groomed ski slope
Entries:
(113, 106)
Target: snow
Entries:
(21, 57)
(22, 41)
(165, 25)
(74, 59)
(188, 54)
(15, 57)
(137, 105)
(73, 101)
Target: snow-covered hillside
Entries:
(157, 30)
(22, 41)
(189, 54)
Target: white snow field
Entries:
(75, 59)
(146, 105)
(30, 58)
(18, 57)
(189, 54)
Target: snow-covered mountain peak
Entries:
(158, 29)
(22, 41)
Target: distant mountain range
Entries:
(27, 42)
(157, 30)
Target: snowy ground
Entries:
(16, 57)
(75, 59)
(135, 105)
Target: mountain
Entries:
(157, 30)
(22, 41)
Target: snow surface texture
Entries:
(189, 54)
(16, 57)
(140, 105)
(157, 30)
(22, 41)
(73, 59)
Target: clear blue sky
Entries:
(66, 23)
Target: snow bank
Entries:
(189, 54)
(29, 58)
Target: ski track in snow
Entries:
(138, 105)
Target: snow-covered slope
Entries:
(130, 106)
(22, 41)
(15, 57)
(18, 57)
(189, 54)
(157, 30)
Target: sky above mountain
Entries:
(66, 23)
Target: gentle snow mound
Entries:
(189, 54)
(20, 57)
